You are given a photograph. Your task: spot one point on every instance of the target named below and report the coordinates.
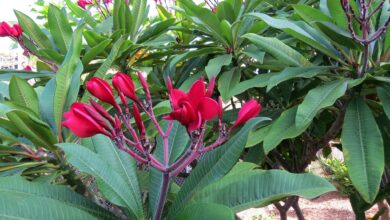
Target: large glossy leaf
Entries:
(207, 21)
(363, 149)
(301, 31)
(32, 128)
(227, 82)
(207, 211)
(6, 75)
(79, 12)
(21, 199)
(95, 51)
(384, 96)
(317, 99)
(213, 166)
(215, 65)
(110, 59)
(120, 162)
(33, 30)
(257, 81)
(178, 141)
(139, 15)
(69, 68)
(282, 128)
(60, 28)
(111, 184)
(23, 94)
(310, 14)
(259, 188)
(155, 30)
(46, 103)
(338, 35)
(279, 50)
(296, 72)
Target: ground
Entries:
(329, 206)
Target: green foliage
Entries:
(298, 58)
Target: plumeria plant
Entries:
(193, 110)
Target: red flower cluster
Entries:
(191, 109)
(7, 31)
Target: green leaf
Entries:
(207, 211)
(121, 163)
(46, 103)
(178, 141)
(337, 13)
(35, 130)
(215, 65)
(207, 21)
(282, 128)
(33, 31)
(95, 51)
(363, 149)
(384, 96)
(139, 15)
(227, 81)
(60, 28)
(258, 81)
(213, 167)
(317, 99)
(278, 49)
(296, 72)
(302, 32)
(241, 191)
(21, 199)
(79, 12)
(226, 31)
(6, 75)
(23, 94)
(155, 30)
(310, 14)
(338, 35)
(111, 184)
(71, 66)
(254, 52)
(116, 48)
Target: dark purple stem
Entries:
(163, 196)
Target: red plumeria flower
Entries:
(193, 108)
(84, 3)
(80, 121)
(7, 31)
(103, 91)
(27, 68)
(249, 110)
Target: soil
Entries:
(328, 206)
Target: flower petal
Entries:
(197, 92)
(208, 108)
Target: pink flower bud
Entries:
(27, 68)
(80, 122)
(7, 31)
(249, 110)
(124, 84)
(220, 108)
(138, 120)
(103, 91)
(144, 84)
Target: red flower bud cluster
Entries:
(14, 31)
(84, 3)
(87, 120)
(191, 109)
